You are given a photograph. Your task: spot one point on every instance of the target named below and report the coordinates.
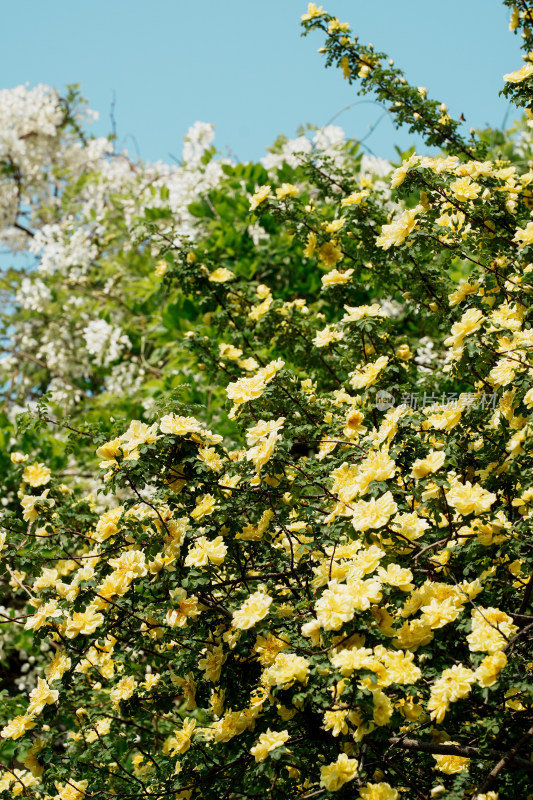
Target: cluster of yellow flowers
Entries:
(338, 572)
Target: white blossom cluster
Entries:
(71, 202)
(104, 341)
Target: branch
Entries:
(461, 750)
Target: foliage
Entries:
(282, 537)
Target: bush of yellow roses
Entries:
(324, 587)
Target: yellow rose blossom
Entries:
(36, 475)
(179, 426)
(491, 630)
(253, 610)
(17, 727)
(373, 513)
(286, 669)
(309, 249)
(468, 499)
(431, 463)
(488, 671)
(450, 764)
(519, 75)
(397, 232)
(221, 275)
(123, 690)
(286, 190)
(367, 374)
(355, 198)
(329, 254)
(356, 313)
(161, 268)
(212, 662)
(336, 278)
(204, 552)
(378, 791)
(335, 775)
(41, 696)
(267, 742)
(72, 790)
(312, 11)
(464, 189)
(18, 458)
(260, 196)
(205, 506)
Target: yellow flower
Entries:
(383, 707)
(488, 671)
(18, 458)
(431, 463)
(60, 663)
(378, 791)
(397, 231)
(335, 277)
(398, 576)
(267, 648)
(260, 196)
(373, 513)
(107, 525)
(32, 504)
(73, 790)
(335, 721)
(267, 742)
(345, 66)
(246, 389)
(36, 475)
(524, 236)
(160, 269)
(519, 74)
(329, 254)
(181, 741)
(41, 696)
(367, 374)
(464, 189)
(404, 352)
(123, 690)
(463, 290)
(179, 426)
(312, 11)
(491, 630)
(221, 275)
(470, 322)
(286, 190)
(334, 226)
(309, 249)
(468, 499)
(17, 727)
(399, 175)
(205, 506)
(335, 607)
(187, 686)
(355, 313)
(327, 336)
(253, 610)
(204, 552)
(355, 198)
(335, 775)
(286, 669)
(451, 764)
(212, 663)
(85, 622)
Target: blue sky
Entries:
(242, 65)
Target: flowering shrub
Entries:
(311, 575)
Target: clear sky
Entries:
(242, 65)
